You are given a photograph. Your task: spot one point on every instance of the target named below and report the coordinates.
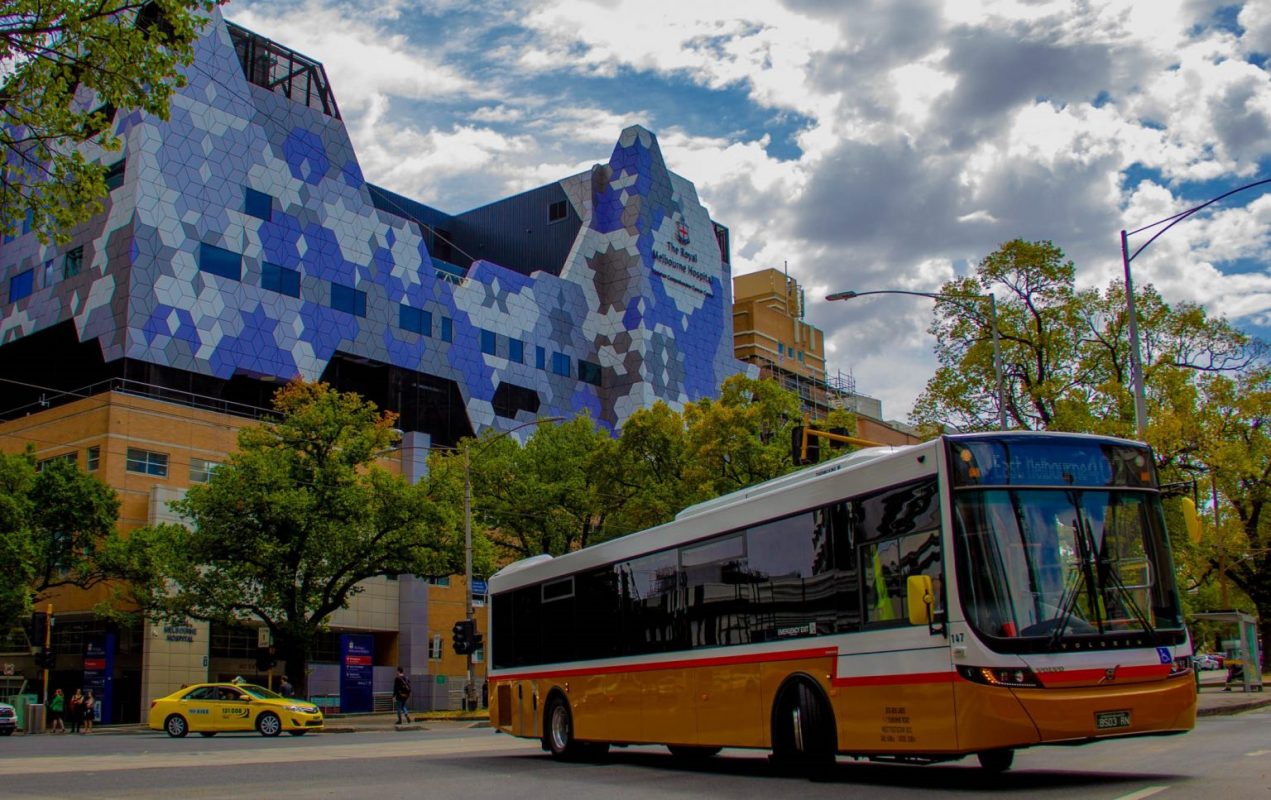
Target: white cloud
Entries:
(927, 132)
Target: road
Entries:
(1225, 758)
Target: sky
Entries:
(860, 144)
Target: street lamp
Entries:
(471, 689)
(1136, 359)
(997, 346)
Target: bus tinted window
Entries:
(649, 593)
(598, 614)
(899, 531)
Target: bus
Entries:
(971, 595)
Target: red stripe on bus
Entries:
(687, 663)
(915, 678)
(1101, 675)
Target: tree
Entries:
(17, 545)
(57, 523)
(65, 66)
(1065, 352)
(290, 525)
(572, 485)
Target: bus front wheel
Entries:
(803, 736)
(996, 760)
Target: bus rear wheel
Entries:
(558, 731)
(803, 736)
(996, 760)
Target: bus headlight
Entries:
(1010, 677)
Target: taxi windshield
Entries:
(259, 691)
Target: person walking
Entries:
(89, 710)
(76, 710)
(284, 687)
(401, 693)
(57, 707)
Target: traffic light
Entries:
(477, 639)
(266, 658)
(463, 636)
(45, 659)
(804, 449)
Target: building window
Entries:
(800, 356)
(540, 358)
(348, 300)
(443, 580)
(219, 261)
(115, 175)
(415, 320)
(588, 372)
(147, 463)
(556, 211)
(561, 365)
(72, 457)
(447, 329)
(50, 277)
(280, 279)
(94, 458)
(489, 343)
(516, 351)
(781, 349)
(72, 262)
(434, 647)
(201, 471)
(258, 204)
(21, 285)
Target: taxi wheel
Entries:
(176, 726)
(269, 725)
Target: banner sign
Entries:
(356, 670)
(99, 674)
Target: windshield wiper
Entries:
(1067, 604)
(1115, 580)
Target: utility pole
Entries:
(48, 641)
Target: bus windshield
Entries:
(1048, 564)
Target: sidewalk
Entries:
(1213, 700)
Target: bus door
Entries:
(895, 679)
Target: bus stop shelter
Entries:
(1242, 656)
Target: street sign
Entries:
(8, 669)
(479, 588)
(263, 637)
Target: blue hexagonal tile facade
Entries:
(244, 241)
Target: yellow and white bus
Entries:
(974, 594)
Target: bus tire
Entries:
(996, 760)
(803, 733)
(558, 731)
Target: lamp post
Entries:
(997, 346)
(470, 692)
(1136, 359)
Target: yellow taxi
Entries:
(210, 708)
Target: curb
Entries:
(1233, 708)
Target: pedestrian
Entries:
(76, 711)
(90, 709)
(57, 707)
(284, 687)
(401, 693)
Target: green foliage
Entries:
(64, 65)
(573, 485)
(17, 544)
(54, 526)
(294, 520)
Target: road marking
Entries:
(1257, 753)
(1142, 793)
(203, 757)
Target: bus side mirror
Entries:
(921, 598)
(1191, 520)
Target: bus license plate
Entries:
(1108, 720)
